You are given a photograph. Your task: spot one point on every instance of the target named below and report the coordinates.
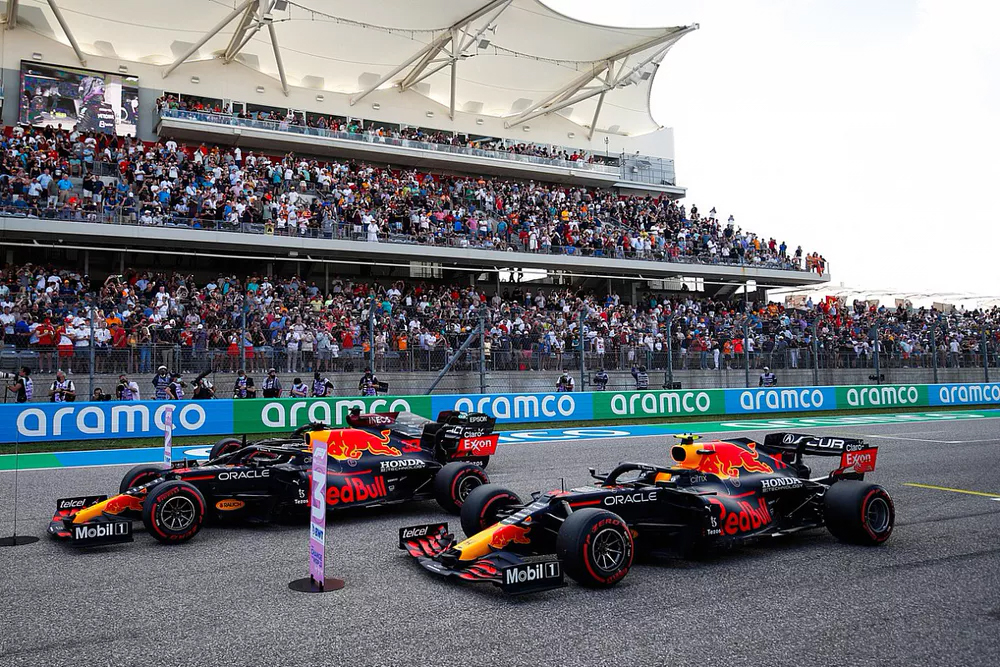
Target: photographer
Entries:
(175, 390)
(565, 383)
(62, 390)
(601, 380)
(243, 388)
(161, 383)
(203, 389)
(299, 389)
(272, 385)
(321, 386)
(368, 384)
(127, 390)
(99, 395)
(23, 389)
(641, 377)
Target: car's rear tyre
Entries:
(173, 512)
(595, 547)
(482, 507)
(859, 512)
(454, 482)
(140, 475)
(225, 446)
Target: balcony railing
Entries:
(635, 168)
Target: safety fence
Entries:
(56, 422)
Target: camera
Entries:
(7, 376)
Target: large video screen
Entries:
(87, 100)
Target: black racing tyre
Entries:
(140, 475)
(595, 547)
(173, 512)
(481, 507)
(859, 512)
(454, 482)
(225, 446)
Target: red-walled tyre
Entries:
(454, 482)
(859, 512)
(595, 547)
(483, 505)
(173, 512)
(140, 475)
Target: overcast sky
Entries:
(868, 130)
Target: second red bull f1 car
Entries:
(715, 495)
(380, 459)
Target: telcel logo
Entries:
(410, 533)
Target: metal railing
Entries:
(335, 229)
(372, 138)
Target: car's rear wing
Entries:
(801, 443)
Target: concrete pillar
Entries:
(86, 262)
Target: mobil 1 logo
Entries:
(531, 577)
(96, 533)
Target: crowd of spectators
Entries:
(142, 319)
(226, 188)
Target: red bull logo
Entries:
(744, 520)
(348, 444)
(354, 490)
(724, 459)
(119, 504)
(509, 534)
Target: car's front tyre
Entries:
(225, 446)
(173, 512)
(483, 506)
(595, 547)
(140, 475)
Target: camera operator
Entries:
(565, 383)
(99, 395)
(368, 384)
(243, 388)
(62, 390)
(203, 389)
(23, 388)
(641, 377)
(175, 390)
(127, 390)
(321, 386)
(299, 389)
(601, 380)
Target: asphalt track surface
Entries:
(931, 596)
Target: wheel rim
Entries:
(609, 550)
(178, 513)
(877, 515)
(466, 486)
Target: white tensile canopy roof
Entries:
(514, 59)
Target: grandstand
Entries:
(464, 146)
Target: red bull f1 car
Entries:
(379, 459)
(715, 495)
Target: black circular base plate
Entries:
(309, 585)
(17, 540)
